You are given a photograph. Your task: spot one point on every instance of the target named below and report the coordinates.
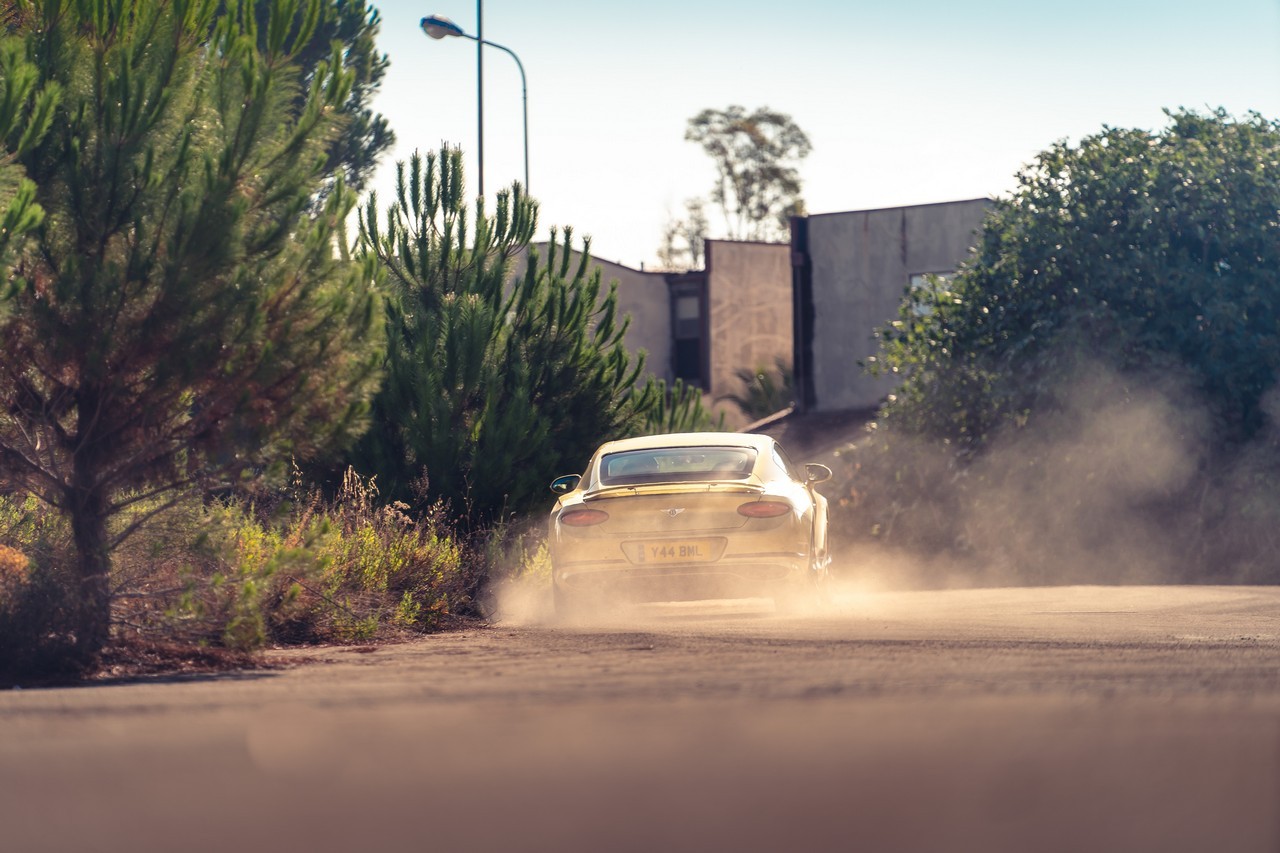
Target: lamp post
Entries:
(439, 27)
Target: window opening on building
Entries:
(686, 312)
(922, 283)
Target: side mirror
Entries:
(569, 482)
(816, 473)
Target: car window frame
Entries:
(751, 454)
(783, 461)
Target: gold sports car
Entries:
(688, 516)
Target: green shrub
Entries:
(311, 570)
(242, 574)
(27, 526)
(37, 622)
(13, 568)
(765, 391)
(37, 617)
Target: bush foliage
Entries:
(235, 574)
(1152, 252)
(765, 391)
(1094, 395)
(498, 379)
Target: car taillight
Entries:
(583, 517)
(764, 509)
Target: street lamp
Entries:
(438, 27)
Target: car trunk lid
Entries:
(667, 509)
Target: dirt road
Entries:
(1063, 719)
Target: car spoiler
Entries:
(606, 492)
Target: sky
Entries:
(905, 101)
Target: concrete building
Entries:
(815, 304)
(703, 326)
(749, 304)
(850, 273)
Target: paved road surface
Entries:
(1060, 719)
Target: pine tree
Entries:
(180, 317)
(495, 384)
(363, 135)
(26, 110)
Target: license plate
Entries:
(680, 551)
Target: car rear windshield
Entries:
(676, 465)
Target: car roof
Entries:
(689, 439)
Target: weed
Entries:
(233, 573)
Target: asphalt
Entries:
(1046, 719)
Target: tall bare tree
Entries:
(756, 157)
(684, 239)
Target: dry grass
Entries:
(207, 583)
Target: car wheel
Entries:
(820, 579)
(807, 594)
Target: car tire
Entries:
(820, 579)
(807, 594)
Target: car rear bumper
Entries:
(724, 579)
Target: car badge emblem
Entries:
(674, 511)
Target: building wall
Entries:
(644, 296)
(749, 311)
(861, 263)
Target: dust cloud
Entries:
(527, 602)
(521, 601)
(1089, 494)
(1124, 483)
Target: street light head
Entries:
(438, 26)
